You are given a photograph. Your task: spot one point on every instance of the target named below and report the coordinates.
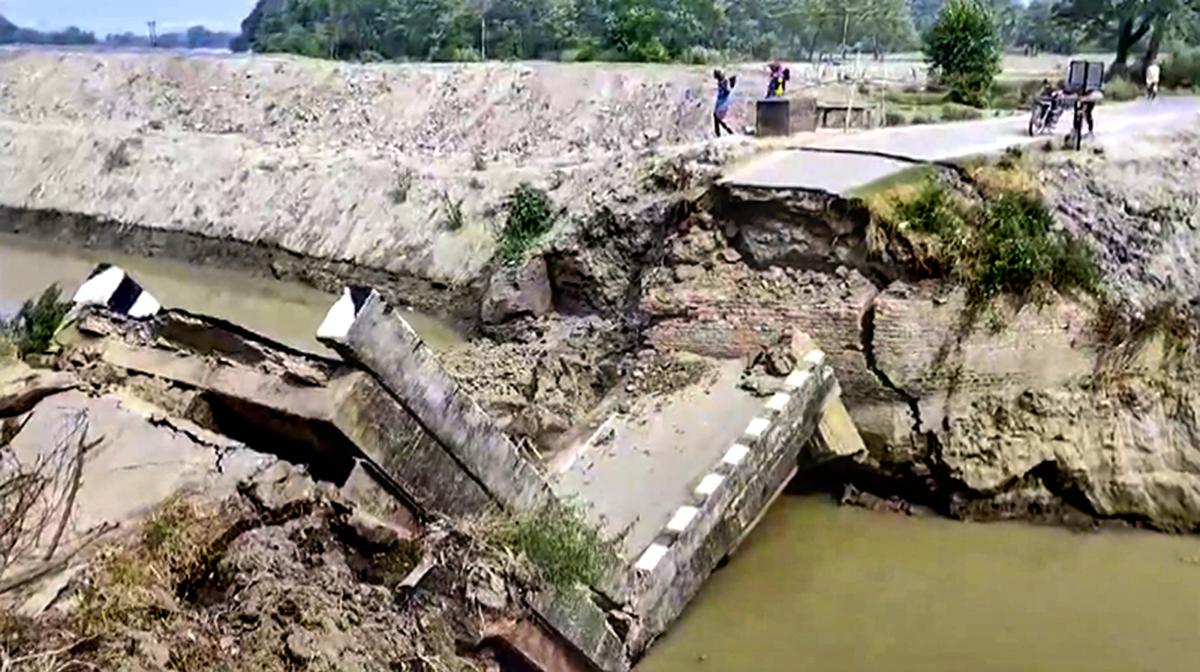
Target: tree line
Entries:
(683, 30)
(196, 37)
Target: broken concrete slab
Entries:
(363, 329)
(22, 387)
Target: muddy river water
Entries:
(816, 587)
(829, 589)
(287, 312)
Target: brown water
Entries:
(825, 588)
(287, 312)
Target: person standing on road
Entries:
(723, 102)
(778, 79)
(1153, 72)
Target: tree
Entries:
(1125, 23)
(1039, 30)
(964, 49)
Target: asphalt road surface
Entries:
(810, 168)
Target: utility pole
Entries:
(153, 26)
(483, 9)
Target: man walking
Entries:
(724, 100)
(1153, 72)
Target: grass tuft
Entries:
(531, 215)
(562, 547)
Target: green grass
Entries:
(1020, 251)
(32, 331)
(917, 175)
(931, 211)
(1013, 94)
(1004, 244)
(1120, 89)
(530, 216)
(957, 112)
(563, 548)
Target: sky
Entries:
(117, 16)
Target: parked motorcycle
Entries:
(1045, 114)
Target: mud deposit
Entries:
(825, 588)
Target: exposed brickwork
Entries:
(926, 344)
(726, 309)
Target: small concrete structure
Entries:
(772, 117)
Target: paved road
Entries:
(841, 173)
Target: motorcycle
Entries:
(1045, 114)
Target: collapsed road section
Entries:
(391, 428)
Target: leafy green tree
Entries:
(1039, 30)
(964, 49)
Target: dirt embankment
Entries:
(402, 169)
(1026, 409)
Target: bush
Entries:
(1120, 89)
(1014, 95)
(932, 211)
(916, 97)
(697, 55)
(564, 549)
(1007, 244)
(1020, 251)
(956, 112)
(892, 118)
(530, 216)
(964, 47)
(921, 119)
(33, 329)
(1181, 70)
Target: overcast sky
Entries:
(118, 16)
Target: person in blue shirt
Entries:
(724, 100)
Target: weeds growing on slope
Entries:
(1006, 242)
(563, 548)
(530, 216)
(33, 329)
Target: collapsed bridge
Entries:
(391, 427)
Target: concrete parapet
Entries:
(728, 501)
(363, 330)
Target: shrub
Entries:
(1120, 89)
(931, 211)
(563, 548)
(956, 112)
(1181, 70)
(697, 55)
(1007, 244)
(1020, 250)
(892, 118)
(36, 324)
(964, 47)
(916, 97)
(530, 216)
(920, 119)
(1014, 95)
